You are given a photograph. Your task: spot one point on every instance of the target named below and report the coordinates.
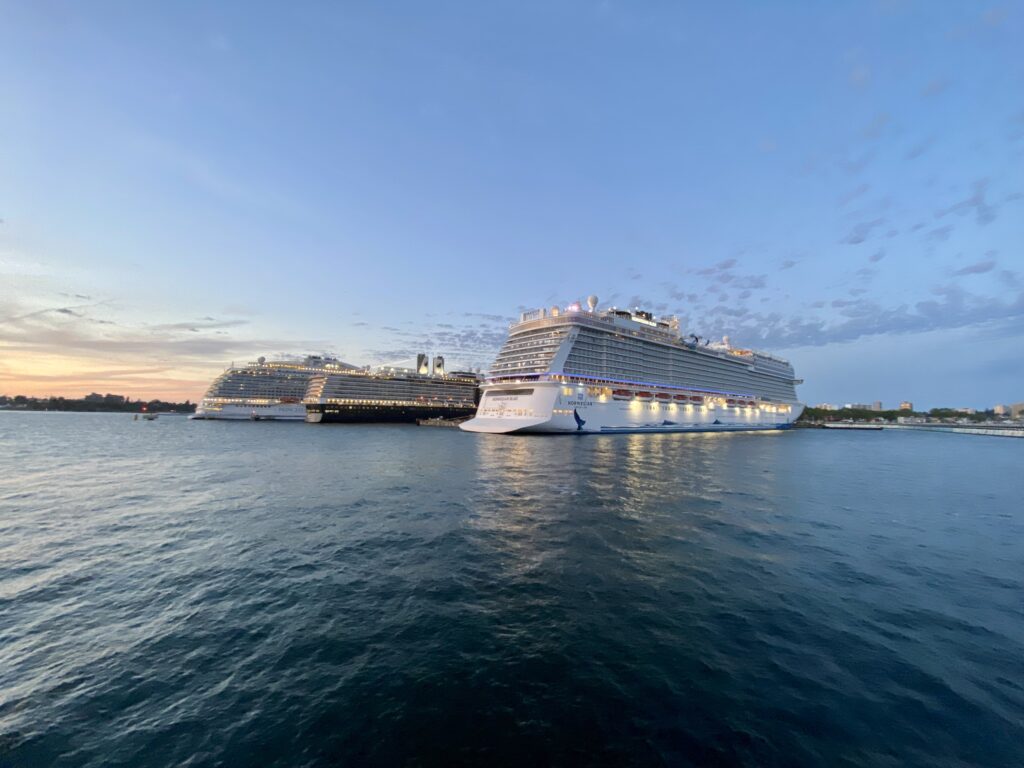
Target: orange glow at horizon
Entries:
(43, 375)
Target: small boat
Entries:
(696, 399)
(730, 401)
(149, 416)
(644, 395)
(663, 397)
(622, 394)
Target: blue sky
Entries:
(189, 184)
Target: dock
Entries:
(991, 430)
(451, 423)
(840, 425)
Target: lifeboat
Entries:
(644, 395)
(622, 394)
(730, 401)
(663, 397)
(696, 399)
(680, 397)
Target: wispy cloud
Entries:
(984, 212)
(978, 268)
(862, 231)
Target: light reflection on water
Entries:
(290, 594)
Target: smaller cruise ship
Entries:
(265, 389)
(392, 394)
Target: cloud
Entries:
(877, 255)
(862, 231)
(751, 281)
(788, 264)
(993, 17)
(939, 234)
(205, 324)
(919, 149)
(978, 268)
(857, 318)
(490, 318)
(853, 194)
(984, 212)
(858, 164)
(860, 76)
(935, 86)
(75, 343)
(877, 126)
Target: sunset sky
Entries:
(183, 185)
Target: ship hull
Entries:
(242, 412)
(565, 408)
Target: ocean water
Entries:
(202, 593)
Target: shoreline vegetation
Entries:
(816, 416)
(94, 403)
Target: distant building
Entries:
(876, 406)
(110, 399)
(95, 397)
(1001, 410)
(906, 405)
(827, 407)
(858, 406)
(1016, 410)
(968, 411)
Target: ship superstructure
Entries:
(265, 389)
(391, 394)
(578, 369)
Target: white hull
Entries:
(231, 412)
(550, 407)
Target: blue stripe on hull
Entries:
(701, 428)
(658, 429)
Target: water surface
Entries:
(206, 593)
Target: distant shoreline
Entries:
(109, 404)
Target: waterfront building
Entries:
(906, 405)
(876, 406)
(1016, 410)
(1001, 410)
(578, 369)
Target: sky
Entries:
(186, 185)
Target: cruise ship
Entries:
(391, 394)
(265, 389)
(582, 370)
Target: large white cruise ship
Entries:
(265, 389)
(581, 370)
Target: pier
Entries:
(992, 430)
